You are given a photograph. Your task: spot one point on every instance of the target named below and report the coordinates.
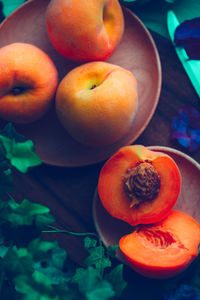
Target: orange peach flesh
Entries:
(163, 249)
(111, 185)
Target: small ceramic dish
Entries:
(111, 229)
(136, 52)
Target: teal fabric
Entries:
(10, 5)
(153, 14)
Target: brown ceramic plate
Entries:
(111, 229)
(136, 52)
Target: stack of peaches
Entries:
(96, 102)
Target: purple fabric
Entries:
(185, 128)
(183, 292)
(187, 35)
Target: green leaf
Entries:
(39, 248)
(21, 266)
(16, 262)
(3, 251)
(41, 278)
(115, 277)
(22, 222)
(35, 288)
(102, 291)
(23, 287)
(50, 259)
(10, 132)
(91, 285)
(58, 257)
(21, 154)
(111, 250)
(43, 220)
(26, 212)
(28, 289)
(51, 265)
(98, 259)
(6, 182)
(27, 207)
(55, 275)
(89, 243)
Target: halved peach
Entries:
(164, 249)
(138, 185)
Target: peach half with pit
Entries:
(85, 30)
(138, 185)
(97, 103)
(28, 82)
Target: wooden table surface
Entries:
(68, 192)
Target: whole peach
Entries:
(85, 30)
(97, 102)
(28, 82)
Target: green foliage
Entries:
(98, 280)
(97, 257)
(27, 213)
(115, 277)
(91, 286)
(35, 269)
(15, 152)
(20, 154)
